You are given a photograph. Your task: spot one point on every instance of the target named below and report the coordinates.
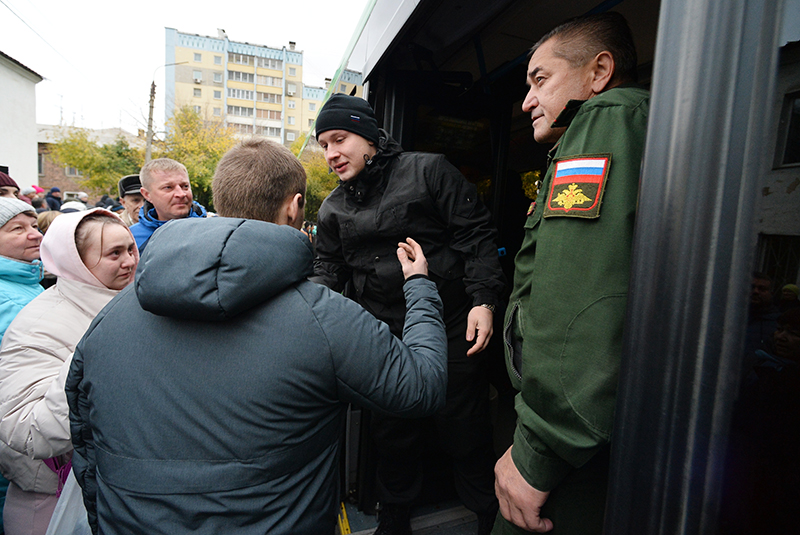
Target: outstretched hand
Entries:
(412, 259)
(520, 503)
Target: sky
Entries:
(98, 57)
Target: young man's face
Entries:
(20, 238)
(132, 202)
(345, 152)
(787, 342)
(9, 191)
(553, 82)
(761, 293)
(170, 193)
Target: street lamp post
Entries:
(149, 148)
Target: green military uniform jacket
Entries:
(563, 328)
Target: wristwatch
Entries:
(490, 307)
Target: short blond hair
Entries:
(160, 165)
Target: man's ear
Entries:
(294, 210)
(603, 68)
(145, 194)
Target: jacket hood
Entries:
(58, 251)
(216, 268)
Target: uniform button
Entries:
(377, 258)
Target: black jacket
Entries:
(222, 413)
(408, 194)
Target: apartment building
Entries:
(258, 90)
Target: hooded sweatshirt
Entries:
(226, 417)
(35, 356)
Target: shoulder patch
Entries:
(577, 186)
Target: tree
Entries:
(199, 145)
(101, 166)
(320, 181)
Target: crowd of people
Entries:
(189, 401)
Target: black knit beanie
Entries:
(343, 112)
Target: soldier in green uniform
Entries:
(563, 328)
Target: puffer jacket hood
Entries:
(240, 264)
(60, 255)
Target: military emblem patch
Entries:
(577, 187)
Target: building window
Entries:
(240, 93)
(291, 104)
(310, 123)
(343, 88)
(217, 94)
(269, 114)
(198, 109)
(292, 71)
(217, 60)
(240, 111)
(240, 59)
(268, 131)
(291, 89)
(41, 163)
(237, 76)
(269, 63)
(243, 128)
(789, 153)
(218, 77)
(71, 171)
(312, 106)
(217, 112)
(198, 57)
(272, 98)
(290, 136)
(197, 76)
(290, 120)
(198, 92)
(270, 80)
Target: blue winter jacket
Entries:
(149, 222)
(224, 415)
(19, 284)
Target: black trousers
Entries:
(463, 431)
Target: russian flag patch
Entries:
(355, 118)
(577, 186)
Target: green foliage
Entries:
(101, 166)
(199, 145)
(320, 182)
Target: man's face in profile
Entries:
(553, 82)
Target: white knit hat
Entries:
(10, 208)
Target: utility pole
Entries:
(148, 151)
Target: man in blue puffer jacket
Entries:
(167, 194)
(226, 417)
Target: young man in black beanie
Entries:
(385, 194)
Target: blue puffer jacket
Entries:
(225, 415)
(19, 284)
(149, 223)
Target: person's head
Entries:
(761, 291)
(577, 60)
(787, 336)
(83, 196)
(37, 203)
(8, 187)
(94, 247)
(46, 218)
(790, 292)
(130, 196)
(55, 192)
(19, 231)
(260, 179)
(348, 133)
(165, 185)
